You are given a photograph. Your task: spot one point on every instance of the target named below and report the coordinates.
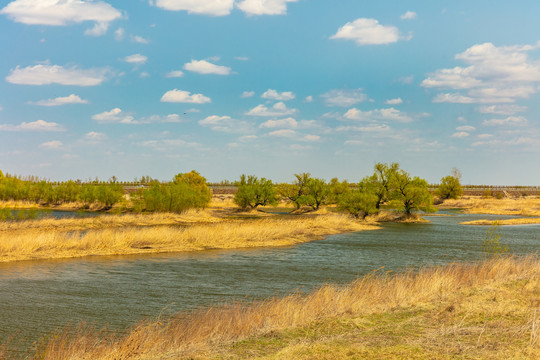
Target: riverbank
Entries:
(502, 222)
(483, 310)
(143, 234)
(525, 206)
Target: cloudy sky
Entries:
(271, 88)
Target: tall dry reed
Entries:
(190, 333)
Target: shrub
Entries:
(253, 192)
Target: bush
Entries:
(253, 192)
(450, 188)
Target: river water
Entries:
(37, 297)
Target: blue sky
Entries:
(271, 88)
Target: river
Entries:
(37, 297)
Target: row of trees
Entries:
(389, 184)
(186, 191)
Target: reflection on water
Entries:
(37, 297)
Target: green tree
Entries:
(359, 203)
(450, 187)
(297, 192)
(411, 193)
(382, 181)
(109, 194)
(318, 192)
(253, 192)
(337, 188)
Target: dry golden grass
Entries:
(526, 206)
(487, 310)
(109, 221)
(39, 244)
(521, 221)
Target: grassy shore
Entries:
(525, 206)
(138, 234)
(487, 310)
(520, 221)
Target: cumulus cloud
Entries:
(286, 133)
(368, 32)
(139, 39)
(264, 7)
(396, 101)
(63, 12)
(409, 15)
(289, 122)
(511, 120)
(308, 99)
(119, 34)
(54, 144)
(181, 96)
(136, 59)
(205, 67)
(343, 98)
(44, 74)
(460, 134)
(71, 99)
(278, 109)
(202, 7)
(274, 95)
(505, 109)
(389, 114)
(95, 136)
(225, 124)
(466, 128)
(118, 116)
(175, 74)
(39, 125)
(247, 94)
(494, 75)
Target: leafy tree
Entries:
(412, 193)
(383, 181)
(109, 194)
(253, 192)
(359, 203)
(297, 193)
(87, 195)
(337, 188)
(317, 192)
(450, 188)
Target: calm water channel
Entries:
(38, 297)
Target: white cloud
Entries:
(248, 138)
(225, 124)
(95, 136)
(242, 58)
(406, 80)
(39, 125)
(311, 137)
(409, 15)
(501, 109)
(119, 34)
(289, 122)
(54, 144)
(144, 74)
(466, 128)
(370, 128)
(203, 7)
(205, 67)
(63, 12)
(247, 94)
(181, 96)
(286, 133)
(116, 115)
(175, 74)
(264, 7)
(71, 99)
(460, 134)
(99, 29)
(494, 75)
(453, 98)
(368, 32)
(139, 39)
(274, 95)
(484, 136)
(309, 99)
(344, 98)
(511, 120)
(396, 101)
(390, 114)
(278, 109)
(44, 74)
(136, 59)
